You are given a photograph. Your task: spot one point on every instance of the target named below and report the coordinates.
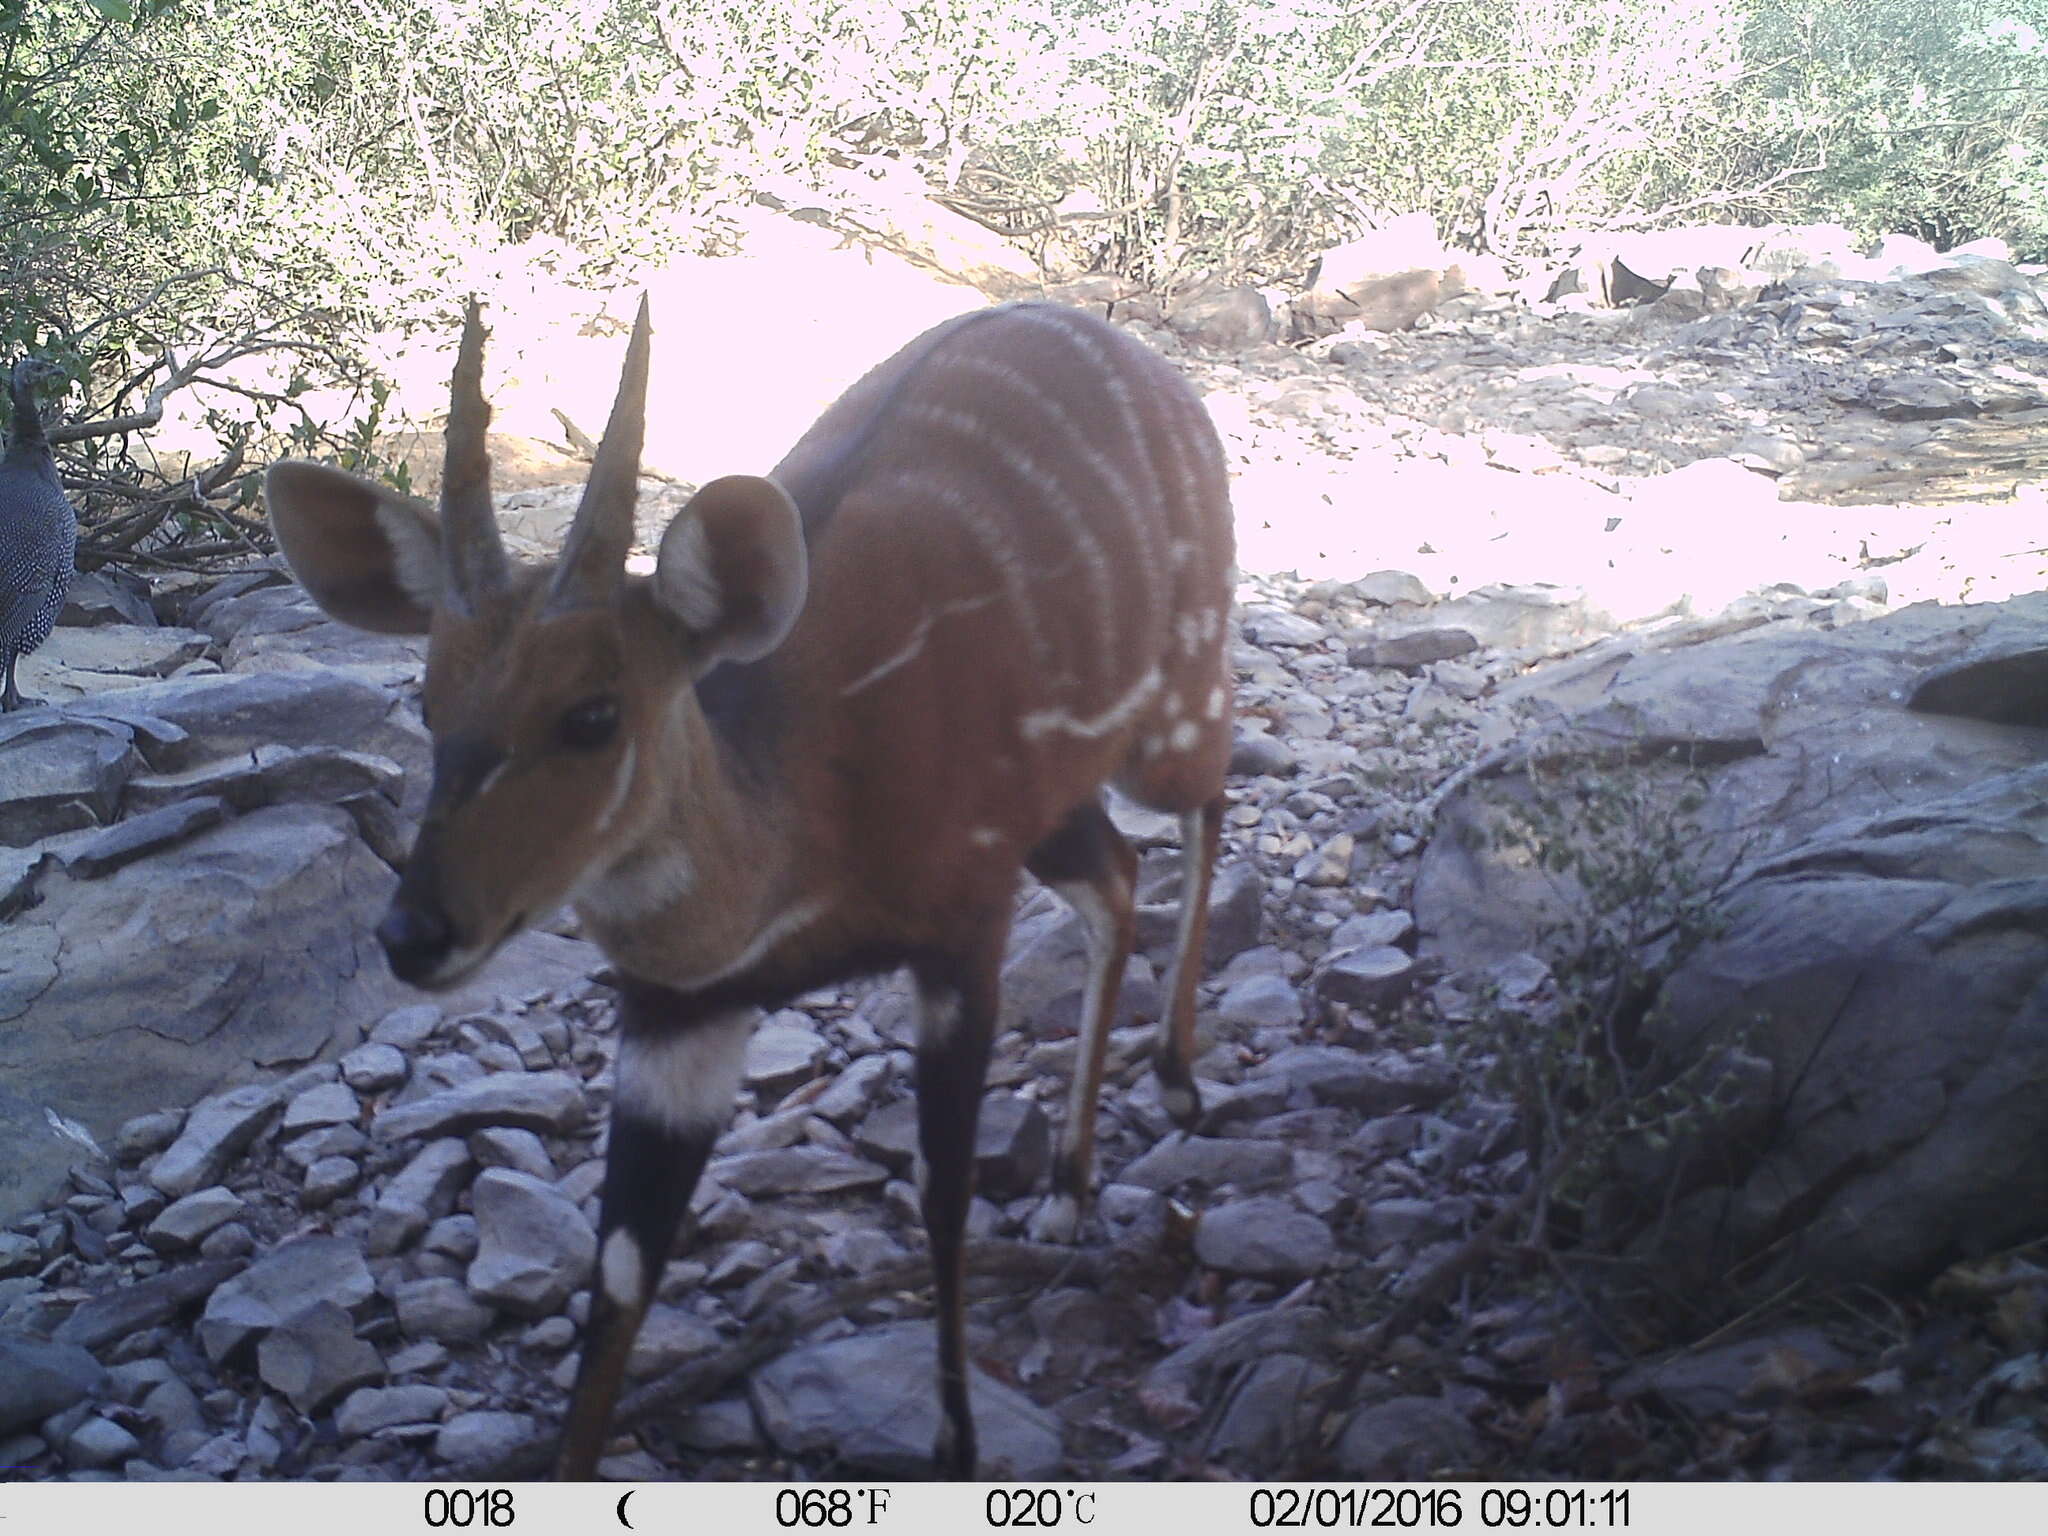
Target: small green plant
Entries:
(1613, 1115)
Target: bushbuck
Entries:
(851, 701)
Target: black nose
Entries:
(416, 940)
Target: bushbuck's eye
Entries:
(589, 725)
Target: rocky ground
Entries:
(366, 1255)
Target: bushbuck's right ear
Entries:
(733, 568)
(369, 556)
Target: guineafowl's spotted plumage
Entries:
(38, 531)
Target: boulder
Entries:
(1871, 987)
(268, 916)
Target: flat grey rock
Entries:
(1407, 1438)
(1264, 1239)
(1263, 1000)
(870, 1401)
(1211, 1162)
(369, 1409)
(280, 1285)
(533, 1244)
(440, 1307)
(373, 1067)
(482, 1435)
(59, 774)
(1012, 1146)
(186, 1220)
(314, 1356)
(215, 1133)
(422, 1190)
(324, 1105)
(138, 837)
(39, 1378)
(550, 1102)
(805, 1170)
(144, 1304)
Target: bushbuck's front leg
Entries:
(957, 1014)
(678, 1070)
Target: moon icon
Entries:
(622, 1508)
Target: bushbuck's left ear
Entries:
(733, 568)
(369, 556)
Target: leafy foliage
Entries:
(177, 176)
(1612, 1121)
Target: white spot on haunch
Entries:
(1185, 735)
(1000, 450)
(1172, 706)
(685, 1081)
(620, 1266)
(986, 837)
(1213, 710)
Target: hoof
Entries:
(1058, 1220)
(1182, 1102)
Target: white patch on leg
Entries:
(620, 1267)
(938, 1011)
(1185, 735)
(685, 1080)
(1213, 709)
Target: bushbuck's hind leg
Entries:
(956, 1020)
(678, 1071)
(1200, 832)
(1088, 862)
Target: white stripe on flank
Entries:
(1009, 566)
(919, 634)
(1149, 520)
(1044, 722)
(1014, 461)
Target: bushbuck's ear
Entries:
(733, 568)
(369, 556)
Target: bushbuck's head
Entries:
(554, 693)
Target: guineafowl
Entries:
(38, 530)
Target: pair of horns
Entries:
(594, 554)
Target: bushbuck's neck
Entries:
(712, 868)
